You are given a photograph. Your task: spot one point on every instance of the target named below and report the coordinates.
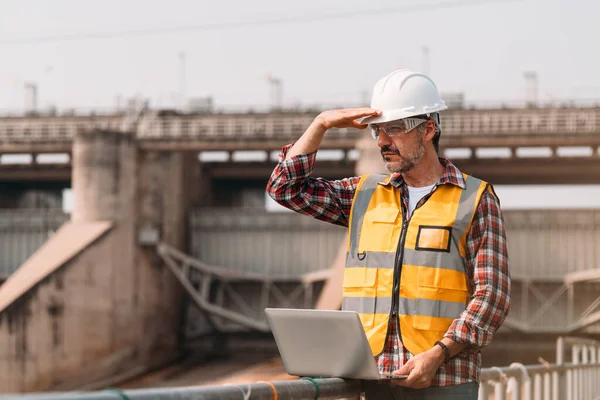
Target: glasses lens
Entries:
(374, 132)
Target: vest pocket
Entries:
(428, 323)
(434, 238)
(441, 297)
(360, 293)
(440, 278)
(379, 231)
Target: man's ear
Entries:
(429, 133)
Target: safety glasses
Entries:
(396, 128)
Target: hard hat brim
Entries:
(393, 115)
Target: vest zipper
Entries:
(398, 265)
(397, 273)
(400, 256)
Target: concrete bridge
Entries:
(495, 144)
(511, 128)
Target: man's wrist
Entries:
(443, 350)
(320, 124)
(439, 354)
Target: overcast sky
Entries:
(481, 48)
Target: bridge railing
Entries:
(539, 122)
(579, 379)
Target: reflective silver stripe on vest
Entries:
(466, 207)
(383, 305)
(418, 258)
(359, 208)
(438, 259)
(372, 259)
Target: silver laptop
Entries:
(323, 343)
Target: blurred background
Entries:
(138, 246)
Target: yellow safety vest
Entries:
(413, 269)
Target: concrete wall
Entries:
(114, 309)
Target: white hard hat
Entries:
(402, 94)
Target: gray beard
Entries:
(407, 163)
(399, 167)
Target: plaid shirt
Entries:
(487, 262)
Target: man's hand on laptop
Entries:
(420, 369)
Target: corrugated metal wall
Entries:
(22, 232)
(277, 244)
(542, 244)
(545, 245)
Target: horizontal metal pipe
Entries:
(329, 389)
(580, 341)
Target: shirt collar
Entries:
(451, 175)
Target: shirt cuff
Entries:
(298, 166)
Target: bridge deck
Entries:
(470, 128)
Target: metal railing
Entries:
(455, 123)
(578, 380)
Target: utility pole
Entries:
(276, 92)
(364, 98)
(531, 88)
(425, 60)
(31, 97)
(182, 80)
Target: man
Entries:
(427, 266)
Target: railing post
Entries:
(537, 383)
(585, 376)
(484, 392)
(576, 372)
(500, 389)
(570, 385)
(558, 378)
(514, 388)
(547, 386)
(522, 384)
(528, 386)
(595, 376)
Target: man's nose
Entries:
(383, 139)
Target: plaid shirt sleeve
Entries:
(292, 186)
(488, 271)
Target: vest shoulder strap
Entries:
(469, 200)
(362, 198)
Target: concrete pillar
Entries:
(100, 161)
(370, 160)
(162, 211)
(162, 196)
(198, 182)
(143, 193)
